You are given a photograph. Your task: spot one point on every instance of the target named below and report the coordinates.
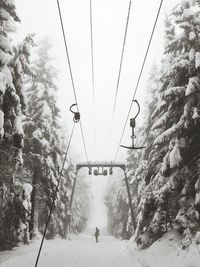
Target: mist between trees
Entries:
(32, 143)
(164, 177)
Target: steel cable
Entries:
(54, 197)
(139, 77)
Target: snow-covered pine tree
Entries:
(81, 203)
(44, 147)
(44, 140)
(169, 195)
(15, 194)
(116, 201)
(165, 185)
(119, 216)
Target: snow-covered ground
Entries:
(167, 252)
(82, 251)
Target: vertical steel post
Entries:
(72, 194)
(71, 203)
(129, 199)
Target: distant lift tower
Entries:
(102, 168)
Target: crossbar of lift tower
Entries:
(100, 164)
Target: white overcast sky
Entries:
(109, 18)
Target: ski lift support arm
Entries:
(100, 164)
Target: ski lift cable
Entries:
(92, 46)
(54, 196)
(67, 52)
(93, 79)
(84, 143)
(121, 60)
(71, 74)
(120, 70)
(139, 77)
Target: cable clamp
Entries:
(77, 115)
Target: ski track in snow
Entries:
(81, 251)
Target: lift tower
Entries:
(102, 168)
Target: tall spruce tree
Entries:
(116, 202)
(44, 141)
(45, 146)
(81, 204)
(119, 217)
(165, 178)
(170, 187)
(15, 194)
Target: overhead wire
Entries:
(139, 77)
(120, 68)
(92, 46)
(71, 75)
(84, 143)
(72, 132)
(121, 59)
(93, 78)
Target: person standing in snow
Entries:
(97, 234)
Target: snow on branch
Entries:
(169, 133)
(192, 55)
(161, 105)
(177, 91)
(4, 57)
(1, 124)
(17, 126)
(193, 86)
(5, 45)
(197, 189)
(197, 60)
(161, 121)
(178, 65)
(175, 158)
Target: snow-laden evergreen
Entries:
(44, 148)
(14, 68)
(32, 144)
(117, 206)
(166, 175)
(44, 143)
(81, 204)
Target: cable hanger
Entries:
(77, 115)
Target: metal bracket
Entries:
(132, 125)
(77, 115)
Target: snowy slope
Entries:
(81, 251)
(167, 252)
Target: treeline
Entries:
(32, 143)
(165, 177)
